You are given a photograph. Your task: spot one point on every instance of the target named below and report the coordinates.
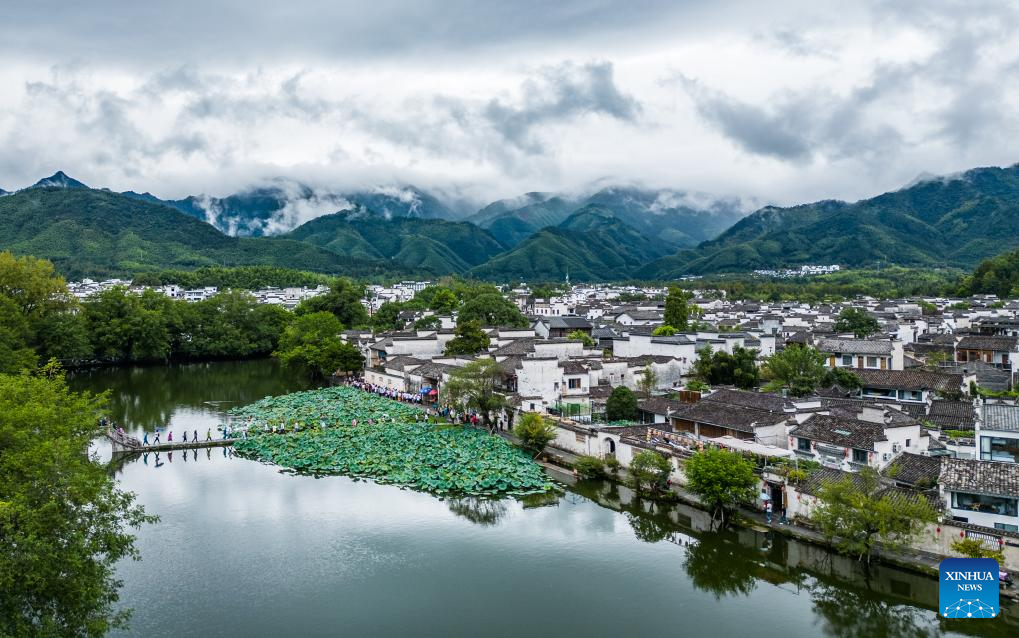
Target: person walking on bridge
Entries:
(208, 434)
(169, 436)
(155, 441)
(145, 439)
(185, 436)
(194, 439)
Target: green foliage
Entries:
(696, 385)
(647, 380)
(721, 368)
(241, 278)
(801, 369)
(975, 548)
(663, 331)
(677, 311)
(387, 317)
(313, 341)
(621, 405)
(445, 460)
(492, 309)
(721, 479)
(857, 321)
(534, 431)
(997, 276)
(343, 300)
(469, 339)
(473, 386)
(649, 471)
(927, 309)
(63, 522)
(590, 467)
(854, 515)
(431, 322)
(583, 337)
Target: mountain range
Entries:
(615, 233)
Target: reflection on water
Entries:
(244, 549)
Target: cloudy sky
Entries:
(783, 101)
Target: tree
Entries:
(621, 405)
(535, 432)
(313, 341)
(663, 331)
(799, 368)
(473, 386)
(343, 300)
(857, 321)
(387, 317)
(677, 311)
(975, 548)
(722, 480)
(431, 322)
(469, 339)
(649, 470)
(63, 523)
(128, 327)
(444, 302)
(492, 309)
(16, 353)
(855, 514)
(647, 380)
(583, 337)
(721, 368)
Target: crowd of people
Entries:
(389, 393)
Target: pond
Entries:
(244, 549)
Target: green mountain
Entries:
(433, 246)
(950, 221)
(674, 217)
(590, 245)
(89, 232)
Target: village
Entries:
(932, 413)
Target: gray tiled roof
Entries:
(854, 346)
(981, 342)
(914, 468)
(980, 477)
(1001, 416)
(909, 380)
(952, 415)
(840, 431)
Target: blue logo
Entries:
(968, 588)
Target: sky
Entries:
(777, 102)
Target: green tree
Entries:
(855, 514)
(857, 321)
(663, 331)
(313, 341)
(799, 368)
(469, 338)
(431, 322)
(975, 548)
(343, 300)
(677, 310)
(444, 302)
(63, 523)
(647, 380)
(722, 480)
(583, 337)
(534, 432)
(387, 317)
(649, 471)
(721, 368)
(16, 353)
(492, 309)
(474, 386)
(128, 327)
(621, 405)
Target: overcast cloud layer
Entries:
(782, 102)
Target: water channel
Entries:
(244, 549)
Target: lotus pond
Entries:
(383, 446)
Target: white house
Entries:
(982, 493)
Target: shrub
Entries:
(590, 467)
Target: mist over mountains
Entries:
(613, 233)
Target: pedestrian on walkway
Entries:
(185, 436)
(195, 438)
(169, 436)
(767, 510)
(145, 439)
(156, 439)
(208, 434)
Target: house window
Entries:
(803, 444)
(574, 384)
(859, 456)
(1005, 527)
(847, 360)
(987, 504)
(907, 442)
(581, 438)
(999, 449)
(872, 362)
